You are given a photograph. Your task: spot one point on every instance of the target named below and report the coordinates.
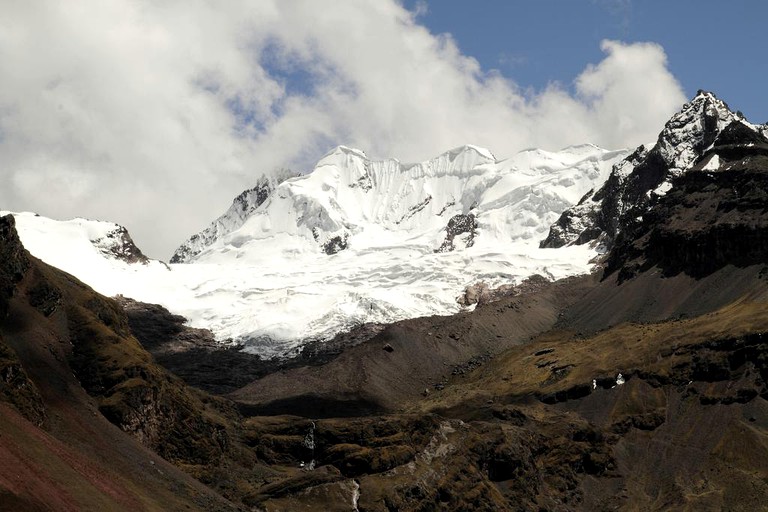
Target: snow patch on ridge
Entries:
(712, 164)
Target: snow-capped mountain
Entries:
(354, 241)
(352, 202)
(101, 254)
(359, 240)
(712, 216)
(646, 174)
(79, 243)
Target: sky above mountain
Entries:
(156, 114)
(709, 44)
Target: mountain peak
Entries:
(701, 93)
(706, 100)
(580, 148)
(111, 241)
(469, 148)
(345, 151)
(461, 159)
(646, 173)
(692, 129)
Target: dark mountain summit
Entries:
(646, 175)
(714, 215)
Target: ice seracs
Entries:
(350, 201)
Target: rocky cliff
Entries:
(647, 174)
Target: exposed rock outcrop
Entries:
(17, 389)
(713, 215)
(118, 244)
(481, 293)
(15, 261)
(645, 175)
(335, 244)
(458, 225)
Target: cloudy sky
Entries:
(155, 114)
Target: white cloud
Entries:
(123, 109)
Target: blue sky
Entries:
(714, 45)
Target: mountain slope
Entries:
(67, 362)
(544, 424)
(644, 387)
(242, 208)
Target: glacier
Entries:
(355, 241)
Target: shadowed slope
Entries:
(407, 358)
(59, 453)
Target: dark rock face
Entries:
(118, 244)
(597, 213)
(365, 182)
(214, 366)
(45, 298)
(335, 244)
(132, 391)
(459, 225)
(635, 182)
(14, 261)
(17, 389)
(242, 206)
(185, 252)
(156, 327)
(714, 214)
(192, 354)
(415, 209)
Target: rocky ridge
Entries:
(712, 216)
(646, 174)
(242, 207)
(118, 244)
